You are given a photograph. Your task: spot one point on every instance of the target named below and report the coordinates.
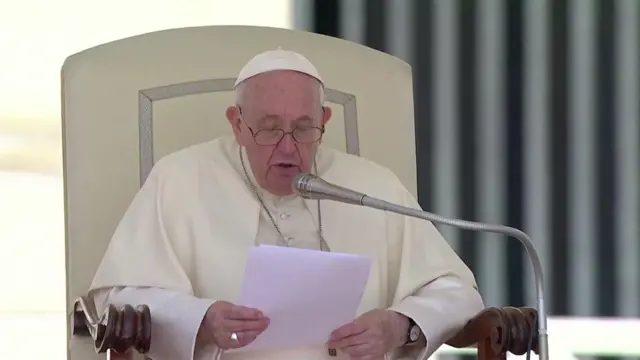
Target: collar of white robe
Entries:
(323, 244)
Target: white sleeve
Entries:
(433, 286)
(440, 309)
(175, 318)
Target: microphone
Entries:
(310, 186)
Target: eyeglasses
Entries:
(301, 134)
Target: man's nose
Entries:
(287, 145)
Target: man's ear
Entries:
(233, 116)
(326, 114)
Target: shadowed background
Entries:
(526, 114)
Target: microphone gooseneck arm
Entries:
(312, 187)
(474, 226)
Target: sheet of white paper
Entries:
(306, 294)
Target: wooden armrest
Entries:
(498, 331)
(119, 330)
(495, 331)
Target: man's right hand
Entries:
(224, 319)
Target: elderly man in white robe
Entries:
(185, 238)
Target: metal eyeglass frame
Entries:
(254, 134)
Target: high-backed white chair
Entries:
(130, 102)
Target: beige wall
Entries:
(33, 46)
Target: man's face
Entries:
(273, 103)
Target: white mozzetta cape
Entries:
(190, 227)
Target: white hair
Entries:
(240, 93)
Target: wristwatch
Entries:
(413, 333)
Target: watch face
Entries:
(414, 333)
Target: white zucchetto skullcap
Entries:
(279, 59)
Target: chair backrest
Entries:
(127, 103)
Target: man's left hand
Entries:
(371, 335)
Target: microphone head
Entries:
(302, 184)
(310, 186)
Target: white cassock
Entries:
(184, 241)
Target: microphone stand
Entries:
(312, 187)
(543, 341)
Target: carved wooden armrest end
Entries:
(119, 330)
(497, 331)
